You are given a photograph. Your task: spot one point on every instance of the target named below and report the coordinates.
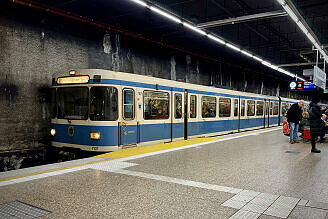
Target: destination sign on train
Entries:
(73, 80)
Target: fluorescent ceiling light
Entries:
(163, 13)
(216, 39)
(233, 47)
(142, 3)
(266, 63)
(302, 27)
(194, 28)
(247, 53)
(290, 12)
(257, 58)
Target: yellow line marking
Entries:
(153, 148)
(136, 151)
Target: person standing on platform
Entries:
(316, 123)
(294, 115)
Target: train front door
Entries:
(128, 133)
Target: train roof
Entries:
(108, 74)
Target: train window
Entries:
(242, 108)
(73, 102)
(128, 105)
(53, 106)
(250, 107)
(284, 109)
(178, 106)
(224, 107)
(275, 108)
(259, 108)
(193, 106)
(208, 107)
(271, 108)
(156, 105)
(235, 111)
(103, 103)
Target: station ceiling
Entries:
(274, 38)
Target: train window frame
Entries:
(234, 107)
(275, 108)
(176, 106)
(224, 115)
(123, 104)
(271, 108)
(254, 104)
(257, 108)
(58, 102)
(195, 107)
(117, 105)
(168, 99)
(202, 105)
(242, 108)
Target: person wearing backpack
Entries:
(316, 124)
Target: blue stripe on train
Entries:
(151, 132)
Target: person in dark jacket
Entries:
(294, 115)
(316, 123)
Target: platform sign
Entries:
(319, 77)
(308, 72)
(302, 86)
(307, 85)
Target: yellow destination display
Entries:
(73, 80)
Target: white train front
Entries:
(101, 110)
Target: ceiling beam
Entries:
(299, 64)
(231, 14)
(240, 19)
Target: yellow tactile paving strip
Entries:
(124, 153)
(153, 148)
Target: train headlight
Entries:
(95, 135)
(53, 132)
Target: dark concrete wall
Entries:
(34, 45)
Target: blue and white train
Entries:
(101, 110)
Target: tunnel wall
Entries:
(34, 45)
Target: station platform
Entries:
(255, 174)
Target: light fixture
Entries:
(213, 37)
(233, 47)
(53, 132)
(191, 27)
(72, 72)
(95, 135)
(302, 27)
(142, 3)
(163, 13)
(247, 53)
(257, 58)
(216, 39)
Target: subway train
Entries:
(102, 110)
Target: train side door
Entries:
(177, 115)
(267, 113)
(236, 115)
(185, 115)
(128, 126)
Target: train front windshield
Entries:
(73, 103)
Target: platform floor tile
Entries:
(244, 214)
